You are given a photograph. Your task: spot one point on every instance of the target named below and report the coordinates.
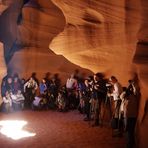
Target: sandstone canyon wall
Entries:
(3, 69)
(103, 32)
(60, 36)
(27, 30)
(141, 60)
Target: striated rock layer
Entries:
(60, 36)
(100, 35)
(28, 36)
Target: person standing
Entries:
(7, 102)
(130, 113)
(30, 88)
(116, 92)
(98, 94)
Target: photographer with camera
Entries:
(98, 94)
(87, 97)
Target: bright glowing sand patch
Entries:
(13, 129)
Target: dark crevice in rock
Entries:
(12, 50)
(141, 56)
(20, 16)
(90, 20)
(143, 43)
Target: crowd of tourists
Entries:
(89, 95)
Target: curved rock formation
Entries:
(30, 36)
(103, 32)
(3, 68)
(8, 26)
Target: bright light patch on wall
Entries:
(14, 129)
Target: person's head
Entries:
(96, 78)
(31, 80)
(15, 79)
(43, 81)
(130, 81)
(9, 80)
(23, 81)
(124, 89)
(100, 75)
(72, 76)
(47, 74)
(113, 79)
(129, 91)
(56, 75)
(86, 82)
(33, 74)
(76, 71)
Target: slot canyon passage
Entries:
(60, 36)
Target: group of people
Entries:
(126, 102)
(88, 95)
(18, 94)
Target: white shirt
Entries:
(122, 97)
(32, 84)
(36, 101)
(117, 91)
(71, 82)
(17, 98)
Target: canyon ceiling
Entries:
(60, 36)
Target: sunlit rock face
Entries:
(107, 34)
(28, 32)
(97, 35)
(100, 35)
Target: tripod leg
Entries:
(107, 108)
(91, 112)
